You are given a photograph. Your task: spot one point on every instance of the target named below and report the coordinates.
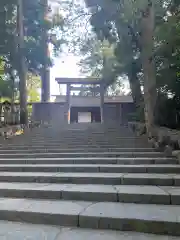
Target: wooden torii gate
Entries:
(85, 81)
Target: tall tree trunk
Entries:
(12, 98)
(137, 96)
(22, 70)
(135, 83)
(135, 89)
(147, 43)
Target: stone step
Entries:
(79, 135)
(27, 139)
(56, 138)
(22, 231)
(93, 178)
(71, 145)
(81, 154)
(106, 193)
(106, 168)
(52, 149)
(90, 160)
(79, 143)
(76, 136)
(156, 219)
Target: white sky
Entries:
(67, 68)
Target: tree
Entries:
(34, 26)
(98, 60)
(136, 21)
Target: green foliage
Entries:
(35, 27)
(33, 88)
(120, 22)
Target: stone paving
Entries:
(22, 231)
(87, 176)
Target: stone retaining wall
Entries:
(167, 140)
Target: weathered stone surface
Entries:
(148, 179)
(40, 211)
(93, 178)
(174, 193)
(90, 193)
(177, 180)
(106, 168)
(142, 194)
(22, 231)
(54, 149)
(78, 234)
(82, 174)
(80, 154)
(132, 217)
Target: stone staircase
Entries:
(90, 181)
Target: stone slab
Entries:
(58, 161)
(89, 192)
(76, 178)
(159, 219)
(24, 231)
(89, 160)
(163, 168)
(78, 234)
(106, 168)
(143, 194)
(140, 168)
(132, 217)
(49, 168)
(148, 179)
(149, 160)
(174, 193)
(54, 149)
(177, 180)
(60, 191)
(42, 212)
(92, 178)
(89, 234)
(81, 154)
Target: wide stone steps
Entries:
(80, 154)
(93, 178)
(158, 219)
(94, 168)
(127, 143)
(165, 195)
(90, 160)
(53, 149)
(75, 145)
(85, 142)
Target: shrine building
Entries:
(72, 108)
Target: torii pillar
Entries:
(68, 93)
(102, 101)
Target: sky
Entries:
(63, 67)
